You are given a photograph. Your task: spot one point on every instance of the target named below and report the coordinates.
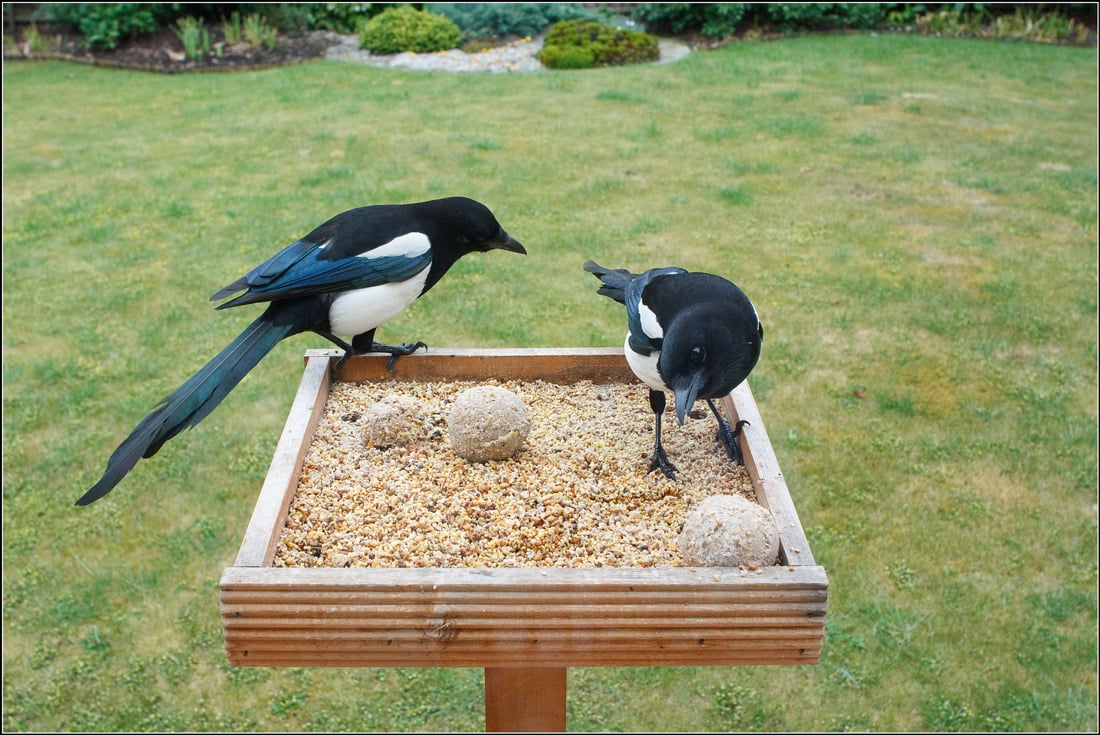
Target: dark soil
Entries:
(162, 51)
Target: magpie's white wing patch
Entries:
(650, 326)
(644, 366)
(409, 245)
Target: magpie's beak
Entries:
(685, 396)
(504, 241)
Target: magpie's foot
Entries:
(340, 363)
(728, 438)
(396, 351)
(661, 462)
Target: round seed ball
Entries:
(488, 423)
(729, 531)
(394, 421)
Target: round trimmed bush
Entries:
(404, 28)
(579, 44)
(566, 57)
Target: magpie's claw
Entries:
(661, 461)
(340, 363)
(396, 351)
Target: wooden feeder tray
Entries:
(527, 621)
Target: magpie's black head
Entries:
(473, 226)
(709, 347)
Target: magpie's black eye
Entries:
(698, 354)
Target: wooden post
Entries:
(524, 700)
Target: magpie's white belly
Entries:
(364, 309)
(645, 367)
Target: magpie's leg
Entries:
(728, 436)
(660, 459)
(348, 350)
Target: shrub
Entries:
(863, 16)
(717, 20)
(827, 16)
(579, 44)
(713, 20)
(799, 16)
(341, 17)
(567, 57)
(493, 20)
(104, 25)
(403, 28)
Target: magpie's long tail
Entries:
(192, 401)
(614, 281)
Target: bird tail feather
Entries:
(615, 280)
(191, 402)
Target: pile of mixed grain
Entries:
(577, 494)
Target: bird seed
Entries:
(576, 495)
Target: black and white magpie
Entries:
(695, 335)
(347, 277)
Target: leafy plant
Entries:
(404, 28)
(258, 33)
(194, 37)
(1022, 24)
(1027, 24)
(34, 42)
(231, 29)
(579, 44)
(952, 21)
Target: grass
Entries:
(915, 218)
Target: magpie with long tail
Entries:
(347, 277)
(695, 335)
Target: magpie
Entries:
(347, 277)
(695, 335)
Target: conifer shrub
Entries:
(499, 20)
(580, 44)
(713, 20)
(404, 28)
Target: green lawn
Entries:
(915, 219)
